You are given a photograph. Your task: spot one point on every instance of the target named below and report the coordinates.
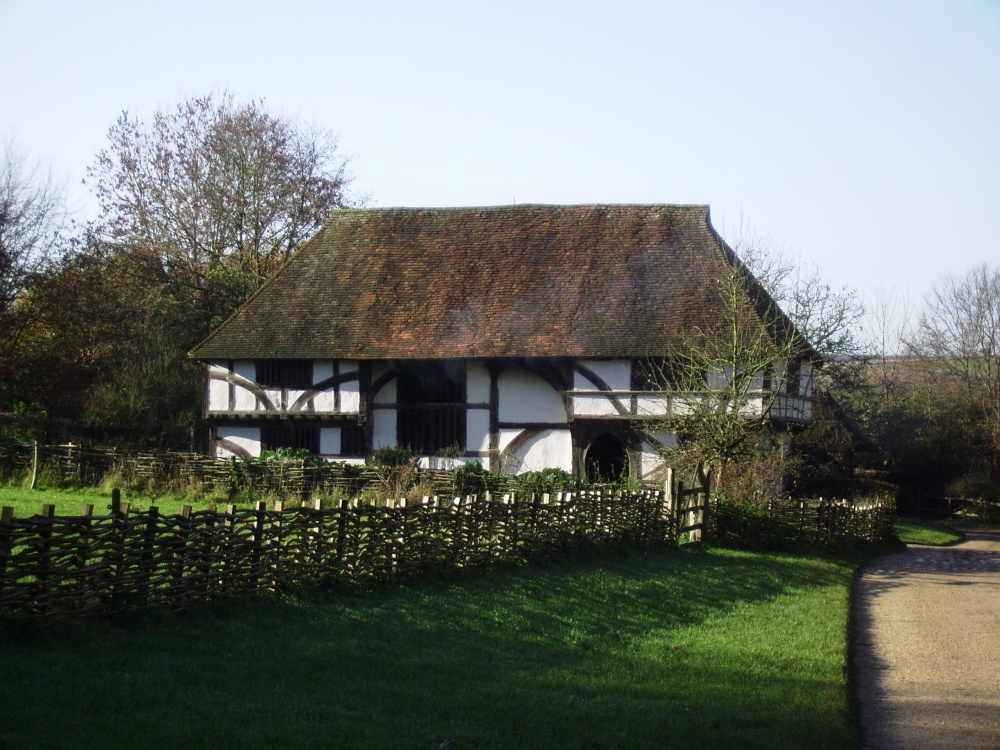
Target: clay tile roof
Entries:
(503, 281)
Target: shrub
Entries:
(290, 454)
(391, 456)
(547, 480)
(747, 526)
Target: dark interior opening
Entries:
(431, 406)
(607, 459)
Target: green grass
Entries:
(697, 648)
(914, 531)
(69, 502)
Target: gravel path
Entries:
(927, 643)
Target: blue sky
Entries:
(864, 136)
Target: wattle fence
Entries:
(64, 565)
(167, 470)
(58, 565)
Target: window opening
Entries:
(431, 406)
(273, 437)
(285, 373)
(352, 440)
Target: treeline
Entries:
(922, 406)
(202, 203)
(198, 207)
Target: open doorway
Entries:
(607, 459)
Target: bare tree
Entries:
(887, 332)
(32, 215)
(828, 317)
(724, 384)
(218, 194)
(960, 331)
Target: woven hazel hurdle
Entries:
(68, 565)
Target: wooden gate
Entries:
(689, 505)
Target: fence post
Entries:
(257, 546)
(146, 558)
(116, 554)
(178, 594)
(275, 547)
(34, 465)
(707, 504)
(6, 542)
(683, 516)
(43, 571)
(227, 563)
(206, 540)
(84, 580)
(669, 503)
(345, 508)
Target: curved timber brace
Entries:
(601, 385)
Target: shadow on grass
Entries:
(639, 650)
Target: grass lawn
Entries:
(914, 531)
(69, 502)
(694, 648)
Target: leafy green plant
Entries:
(547, 480)
(391, 456)
(289, 454)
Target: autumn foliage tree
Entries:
(200, 205)
(212, 196)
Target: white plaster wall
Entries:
(549, 449)
(806, 380)
(652, 406)
(477, 383)
(383, 428)
(218, 390)
(446, 463)
(617, 373)
(595, 405)
(388, 393)
(525, 397)
(477, 430)
(350, 398)
(651, 463)
(248, 438)
(245, 368)
(350, 392)
(325, 401)
(329, 441)
(792, 407)
(273, 395)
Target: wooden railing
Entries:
(598, 404)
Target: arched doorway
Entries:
(607, 459)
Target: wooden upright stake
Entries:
(34, 466)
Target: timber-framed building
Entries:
(515, 336)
